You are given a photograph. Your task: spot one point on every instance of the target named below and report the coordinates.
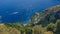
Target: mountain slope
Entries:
(50, 15)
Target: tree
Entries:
(18, 26)
(38, 29)
(28, 30)
(58, 27)
(51, 27)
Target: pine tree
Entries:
(58, 27)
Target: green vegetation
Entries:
(46, 22)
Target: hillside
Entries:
(50, 15)
(45, 22)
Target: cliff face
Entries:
(50, 15)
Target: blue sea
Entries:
(12, 11)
